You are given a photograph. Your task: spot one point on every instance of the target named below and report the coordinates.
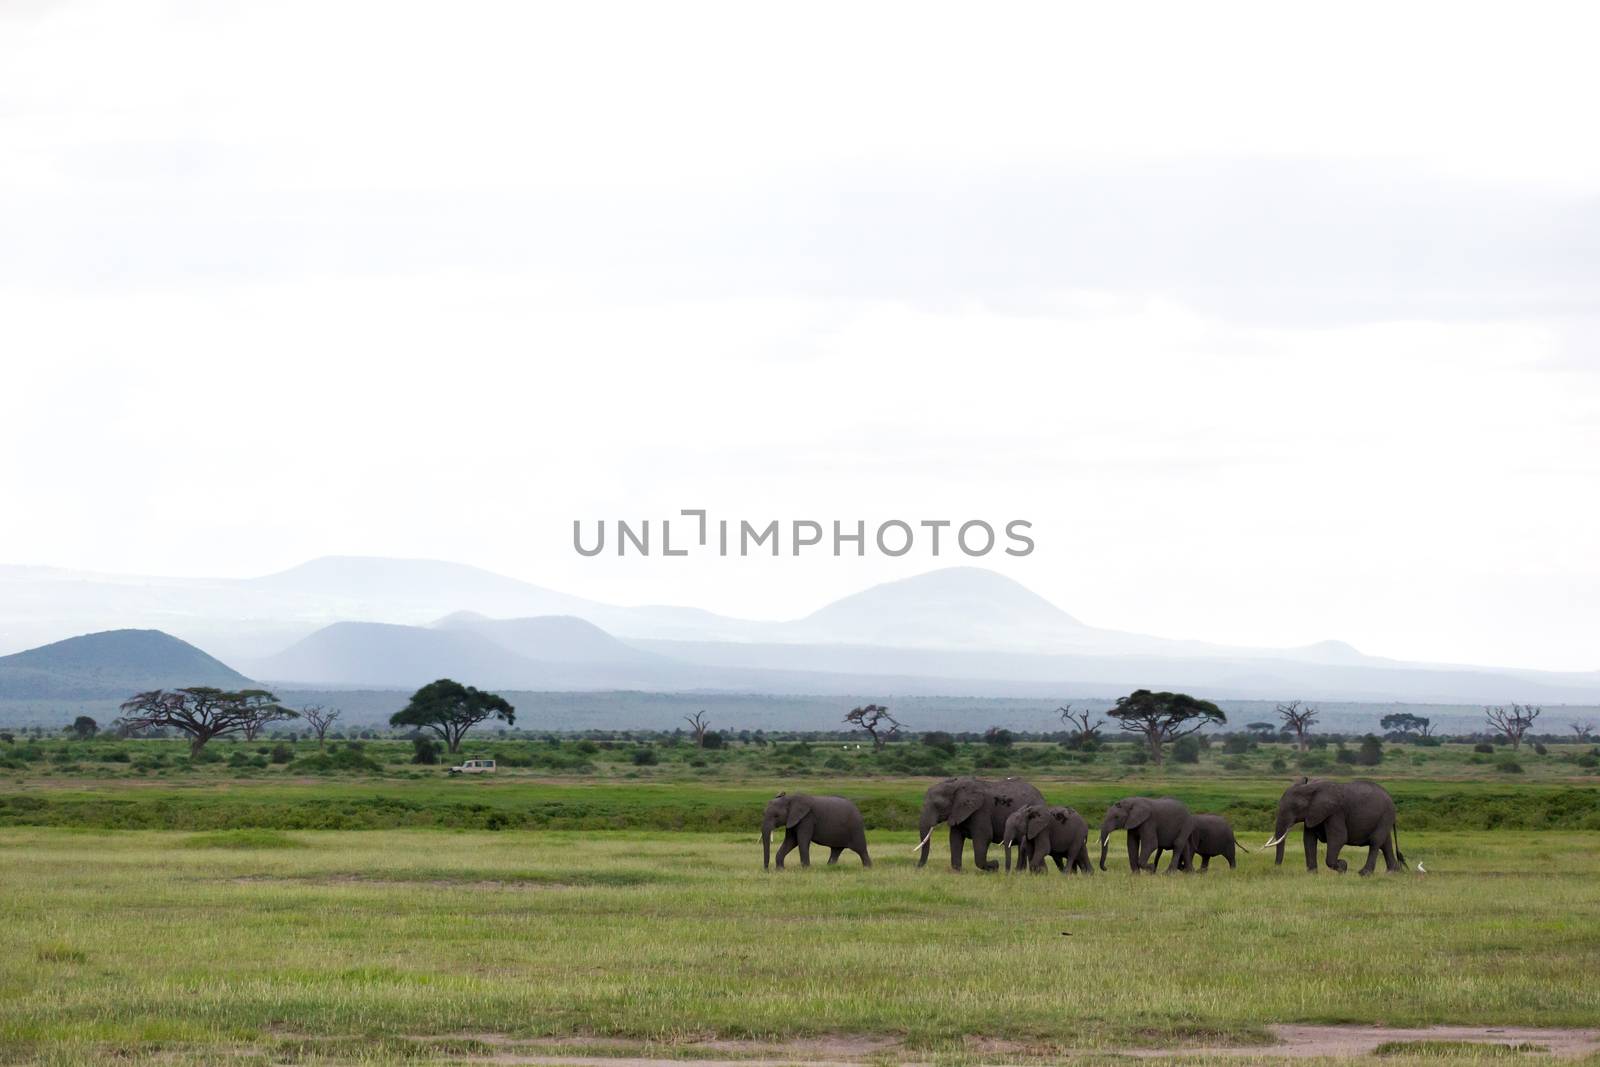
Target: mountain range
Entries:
(385, 623)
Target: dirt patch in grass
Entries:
(1341, 1042)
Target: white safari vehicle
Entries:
(474, 766)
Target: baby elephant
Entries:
(1212, 836)
(1060, 834)
(830, 821)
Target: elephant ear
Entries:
(798, 809)
(1137, 814)
(967, 803)
(1324, 802)
(1038, 823)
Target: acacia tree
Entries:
(1163, 717)
(202, 712)
(876, 721)
(698, 723)
(83, 728)
(1514, 722)
(1406, 724)
(1584, 730)
(320, 719)
(1298, 719)
(450, 709)
(264, 710)
(1085, 727)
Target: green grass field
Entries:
(197, 917)
(277, 946)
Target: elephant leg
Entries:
(1205, 863)
(1061, 864)
(861, 850)
(1373, 852)
(1336, 839)
(957, 843)
(805, 845)
(980, 852)
(833, 855)
(785, 848)
(1309, 839)
(1133, 854)
(1388, 854)
(1146, 850)
(1229, 856)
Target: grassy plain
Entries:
(275, 946)
(583, 903)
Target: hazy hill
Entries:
(552, 638)
(112, 664)
(954, 607)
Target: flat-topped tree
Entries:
(201, 712)
(876, 721)
(264, 710)
(1163, 717)
(1406, 724)
(450, 709)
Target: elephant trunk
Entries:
(925, 827)
(1280, 830)
(766, 843)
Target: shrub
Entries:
(1484, 747)
(115, 757)
(712, 739)
(1187, 750)
(836, 763)
(1589, 759)
(1279, 765)
(341, 759)
(281, 753)
(645, 757)
(586, 748)
(1508, 766)
(1136, 756)
(1371, 753)
(1237, 745)
(1344, 755)
(999, 736)
(424, 750)
(1313, 761)
(1538, 748)
(1234, 763)
(939, 741)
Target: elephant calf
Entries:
(1060, 834)
(1212, 836)
(831, 821)
(1154, 825)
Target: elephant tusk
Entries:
(918, 846)
(1420, 868)
(1275, 840)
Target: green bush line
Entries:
(688, 808)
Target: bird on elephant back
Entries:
(975, 809)
(1154, 825)
(1339, 814)
(1042, 833)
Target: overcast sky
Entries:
(1279, 326)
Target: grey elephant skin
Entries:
(1154, 825)
(1212, 836)
(975, 809)
(1339, 814)
(1041, 833)
(833, 822)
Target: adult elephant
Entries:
(830, 821)
(974, 808)
(1340, 814)
(1154, 824)
(1044, 833)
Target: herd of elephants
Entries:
(1013, 813)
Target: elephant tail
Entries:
(1394, 835)
(1242, 846)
